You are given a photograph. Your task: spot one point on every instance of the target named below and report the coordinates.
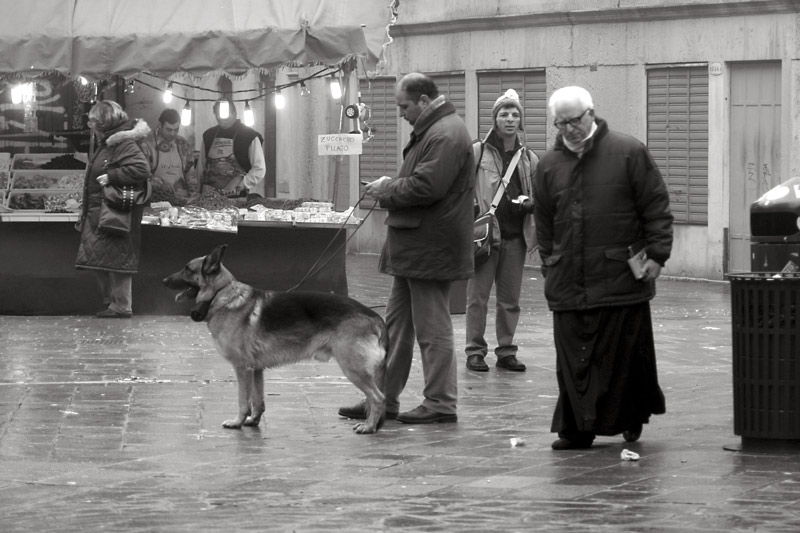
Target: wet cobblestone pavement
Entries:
(115, 425)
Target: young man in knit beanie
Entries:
(512, 236)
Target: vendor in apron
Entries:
(171, 160)
(232, 157)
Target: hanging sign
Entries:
(340, 144)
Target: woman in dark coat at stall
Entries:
(118, 161)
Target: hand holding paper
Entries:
(643, 268)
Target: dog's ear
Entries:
(212, 261)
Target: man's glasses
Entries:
(574, 122)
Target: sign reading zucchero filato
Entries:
(339, 144)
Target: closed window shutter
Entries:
(380, 155)
(531, 86)
(677, 137)
(454, 87)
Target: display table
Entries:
(38, 275)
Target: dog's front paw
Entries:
(362, 428)
(232, 424)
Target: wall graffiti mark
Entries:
(750, 174)
(766, 176)
(759, 181)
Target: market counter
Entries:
(38, 275)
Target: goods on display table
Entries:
(40, 187)
(5, 176)
(48, 183)
(279, 212)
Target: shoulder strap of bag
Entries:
(478, 154)
(506, 178)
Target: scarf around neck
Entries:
(579, 147)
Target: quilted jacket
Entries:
(589, 210)
(119, 156)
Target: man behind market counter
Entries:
(171, 159)
(231, 157)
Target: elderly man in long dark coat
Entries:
(599, 197)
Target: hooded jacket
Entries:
(429, 233)
(119, 156)
(589, 210)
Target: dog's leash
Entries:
(316, 268)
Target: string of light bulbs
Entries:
(248, 117)
(24, 93)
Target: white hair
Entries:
(572, 93)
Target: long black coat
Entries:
(119, 156)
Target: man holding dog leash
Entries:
(428, 245)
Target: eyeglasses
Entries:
(574, 122)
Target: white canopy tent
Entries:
(101, 38)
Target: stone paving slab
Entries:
(115, 425)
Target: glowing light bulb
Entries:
(249, 117)
(280, 100)
(186, 115)
(16, 94)
(168, 94)
(304, 90)
(83, 81)
(27, 93)
(224, 109)
(336, 89)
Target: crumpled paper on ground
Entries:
(628, 455)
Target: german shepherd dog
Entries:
(256, 329)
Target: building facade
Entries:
(712, 87)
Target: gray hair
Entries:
(572, 93)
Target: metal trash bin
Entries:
(765, 315)
(775, 228)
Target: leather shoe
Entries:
(476, 363)
(567, 444)
(423, 415)
(110, 313)
(510, 362)
(359, 412)
(633, 434)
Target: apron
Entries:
(221, 164)
(170, 166)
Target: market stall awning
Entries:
(97, 38)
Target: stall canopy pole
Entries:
(347, 70)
